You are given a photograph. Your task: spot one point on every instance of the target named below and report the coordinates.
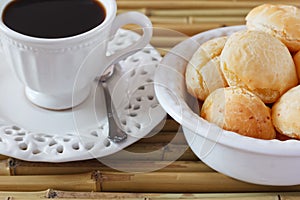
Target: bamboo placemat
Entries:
(190, 17)
(56, 194)
(185, 178)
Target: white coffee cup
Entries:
(48, 67)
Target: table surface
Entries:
(153, 170)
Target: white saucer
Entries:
(31, 133)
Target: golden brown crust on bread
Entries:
(203, 73)
(286, 113)
(297, 63)
(281, 21)
(236, 109)
(260, 63)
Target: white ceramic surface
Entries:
(31, 133)
(268, 162)
(48, 67)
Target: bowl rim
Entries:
(192, 121)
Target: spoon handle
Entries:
(115, 134)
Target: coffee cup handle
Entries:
(131, 18)
(1, 46)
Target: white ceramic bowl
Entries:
(267, 162)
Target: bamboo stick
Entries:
(177, 166)
(242, 12)
(31, 168)
(155, 152)
(215, 196)
(158, 182)
(24, 195)
(188, 29)
(4, 167)
(3, 157)
(141, 10)
(77, 182)
(57, 194)
(179, 182)
(270, 1)
(165, 41)
(289, 196)
(194, 4)
(195, 20)
(166, 137)
(232, 1)
(171, 124)
(169, 20)
(158, 31)
(232, 198)
(192, 29)
(36, 168)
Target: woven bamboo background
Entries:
(187, 177)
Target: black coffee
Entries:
(53, 18)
